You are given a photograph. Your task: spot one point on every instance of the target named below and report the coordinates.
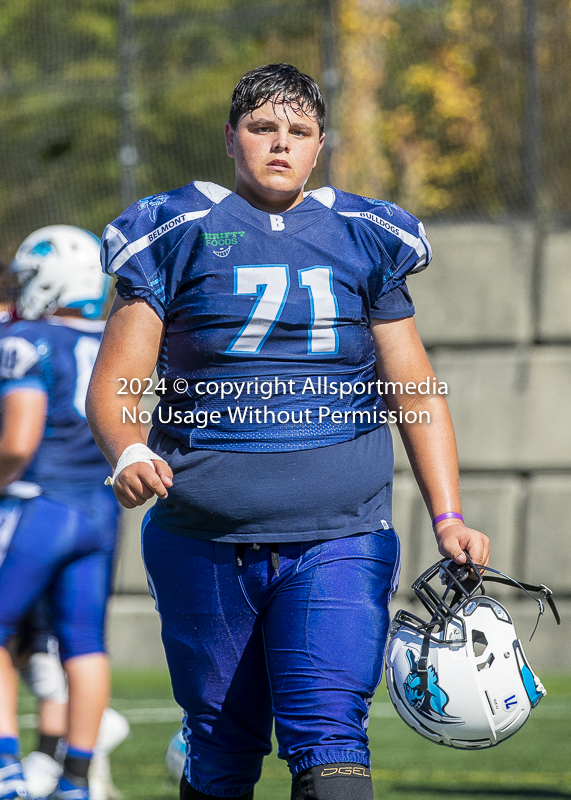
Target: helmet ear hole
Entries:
(479, 643)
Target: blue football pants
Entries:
(65, 553)
(245, 646)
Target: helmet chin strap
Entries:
(540, 589)
(500, 577)
(423, 662)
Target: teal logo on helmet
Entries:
(43, 248)
(424, 694)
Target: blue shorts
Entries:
(245, 646)
(49, 547)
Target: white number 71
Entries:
(271, 283)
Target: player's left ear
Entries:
(229, 135)
(321, 141)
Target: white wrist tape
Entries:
(133, 454)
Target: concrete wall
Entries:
(506, 357)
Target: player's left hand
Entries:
(453, 538)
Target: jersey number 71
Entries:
(270, 282)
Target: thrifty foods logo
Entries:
(221, 243)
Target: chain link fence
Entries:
(452, 108)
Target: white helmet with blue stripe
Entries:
(59, 267)
(462, 679)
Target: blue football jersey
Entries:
(57, 357)
(267, 315)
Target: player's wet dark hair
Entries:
(279, 84)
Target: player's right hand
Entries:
(138, 482)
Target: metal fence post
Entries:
(128, 153)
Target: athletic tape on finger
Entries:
(133, 454)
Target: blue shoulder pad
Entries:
(137, 245)
(400, 235)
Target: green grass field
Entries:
(535, 763)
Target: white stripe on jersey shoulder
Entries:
(418, 243)
(211, 190)
(78, 324)
(325, 195)
(115, 241)
(147, 240)
(423, 265)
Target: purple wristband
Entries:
(447, 515)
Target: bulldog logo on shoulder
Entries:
(152, 203)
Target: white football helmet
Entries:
(462, 679)
(176, 756)
(59, 267)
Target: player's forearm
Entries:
(127, 356)
(431, 449)
(15, 455)
(112, 428)
(12, 467)
(139, 474)
(429, 441)
(23, 415)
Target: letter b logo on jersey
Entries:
(277, 222)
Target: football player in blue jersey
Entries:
(57, 521)
(276, 320)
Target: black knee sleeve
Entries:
(333, 782)
(188, 793)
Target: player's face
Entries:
(275, 149)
